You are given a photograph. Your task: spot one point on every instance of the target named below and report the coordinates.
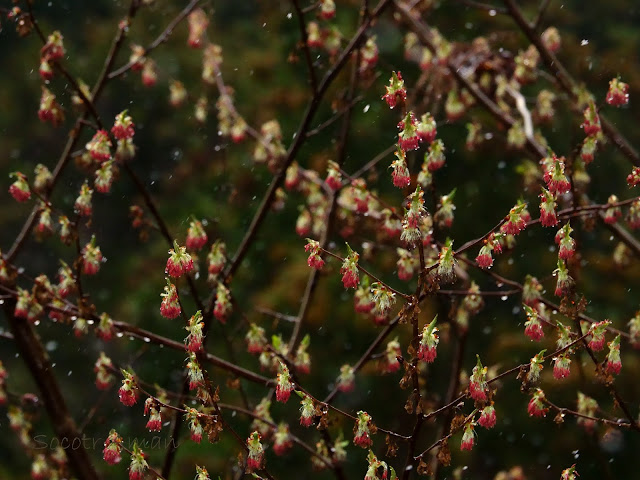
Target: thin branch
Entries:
(300, 135)
(305, 46)
(163, 37)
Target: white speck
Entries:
(119, 334)
(147, 339)
(264, 24)
(366, 108)
(504, 298)
(289, 15)
(584, 42)
(69, 373)
(492, 13)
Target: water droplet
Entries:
(119, 334)
(289, 15)
(504, 298)
(584, 42)
(492, 13)
(366, 108)
(147, 339)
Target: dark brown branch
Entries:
(37, 361)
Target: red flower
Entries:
(54, 48)
(554, 176)
(591, 122)
(515, 222)
(633, 178)
(408, 138)
(45, 70)
(468, 438)
(396, 93)
(19, 189)
(127, 397)
(198, 23)
(223, 305)
(284, 386)
(533, 328)
(149, 73)
(487, 417)
(477, 383)
(303, 223)
(562, 367)
(536, 407)
(282, 440)
(255, 460)
(170, 306)
(314, 260)
(428, 342)
(179, 262)
(484, 258)
(401, 176)
(334, 177)
(123, 126)
(327, 9)
(614, 364)
(254, 463)
(50, 110)
(155, 423)
(100, 146)
(427, 128)
(349, 270)
(363, 440)
(196, 236)
(91, 258)
(362, 430)
(111, 455)
(618, 93)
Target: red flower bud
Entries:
(179, 262)
(618, 93)
(19, 189)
